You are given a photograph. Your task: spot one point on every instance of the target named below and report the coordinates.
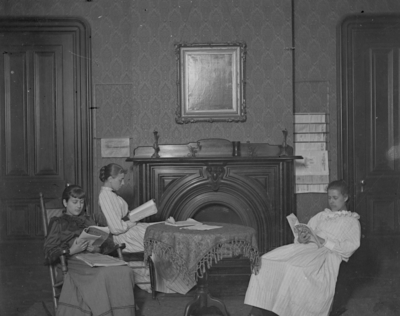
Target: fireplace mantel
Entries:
(254, 191)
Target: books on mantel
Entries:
(99, 260)
(147, 209)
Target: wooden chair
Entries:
(49, 210)
(128, 257)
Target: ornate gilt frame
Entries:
(210, 82)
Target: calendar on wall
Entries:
(311, 142)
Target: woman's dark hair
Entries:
(340, 185)
(112, 170)
(74, 191)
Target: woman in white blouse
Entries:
(115, 210)
(300, 278)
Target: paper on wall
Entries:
(115, 147)
(313, 163)
(311, 188)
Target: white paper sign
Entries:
(115, 147)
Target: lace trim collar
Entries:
(343, 213)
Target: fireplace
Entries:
(252, 190)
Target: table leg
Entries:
(204, 299)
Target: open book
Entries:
(299, 228)
(98, 260)
(95, 235)
(147, 209)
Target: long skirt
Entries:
(97, 291)
(295, 280)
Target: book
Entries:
(95, 235)
(99, 260)
(189, 222)
(147, 209)
(299, 228)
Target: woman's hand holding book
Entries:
(78, 246)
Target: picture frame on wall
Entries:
(210, 83)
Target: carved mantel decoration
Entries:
(215, 174)
(217, 185)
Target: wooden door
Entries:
(370, 120)
(44, 128)
(369, 142)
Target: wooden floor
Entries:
(369, 284)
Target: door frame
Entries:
(81, 31)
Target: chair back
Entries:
(49, 210)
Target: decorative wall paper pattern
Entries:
(134, 68)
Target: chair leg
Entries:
(152, 277)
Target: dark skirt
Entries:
(97, 291)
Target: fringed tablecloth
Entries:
(183, 255)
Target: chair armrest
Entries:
(63, 258)
(119, 250)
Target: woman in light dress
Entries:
(299, 279)
(115, 210)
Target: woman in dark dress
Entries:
(86, 290)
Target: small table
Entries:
(186, 255)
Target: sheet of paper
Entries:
(311, 188)
(310, 128)
(310, 118)
(115, 147)
(310, 137)
(309, 146)
(200, 227)
(313, 163)
(189, 222)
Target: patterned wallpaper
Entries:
(134, 66)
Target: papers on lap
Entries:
(300, 228)
(95, 235)
(98, 260)
(147, 209)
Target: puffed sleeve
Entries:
(54, 244)
(114, 209)
(347, 239)
(341, 235)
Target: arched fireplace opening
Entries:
(217, 213)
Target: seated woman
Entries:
(115, 210)
(299, 279)
(86, 290)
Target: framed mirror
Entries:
(210, 83)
